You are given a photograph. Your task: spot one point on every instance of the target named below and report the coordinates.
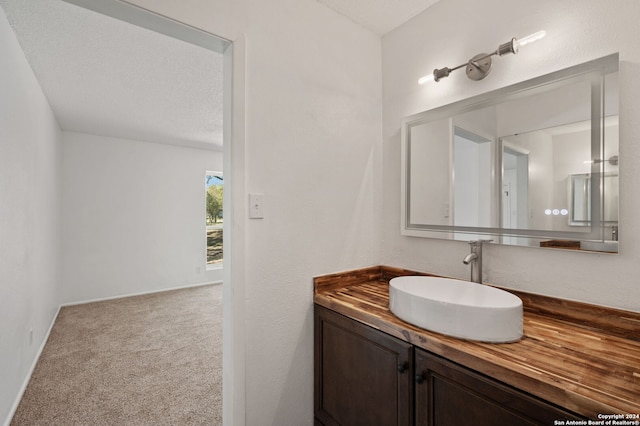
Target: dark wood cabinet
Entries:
(449, 394)
(366, 377)
(362, 376)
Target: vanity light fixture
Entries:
(613, 160)
(479, 66)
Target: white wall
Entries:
(431, 156)
(312, 133)
(29, 218)
(472, 186)
(577, 31)
(133, 216)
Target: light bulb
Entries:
(424, 80)
(531, 38)
(437, 75)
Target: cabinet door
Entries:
(449, 394)
(362, 376)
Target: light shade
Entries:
(425, 79)
(531, 38)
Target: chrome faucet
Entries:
(475, 259)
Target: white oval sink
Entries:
(457, 308)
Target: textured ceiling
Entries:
(108, 77)
(379, 16)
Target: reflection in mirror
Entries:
(472, 178)
(430, 172)
(580, 199)
(519, 164)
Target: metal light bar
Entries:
(479, 66)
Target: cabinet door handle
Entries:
(403, 367)
(419, 379)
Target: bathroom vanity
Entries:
(575, 361)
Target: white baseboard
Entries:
(121, 296)
(23, 388)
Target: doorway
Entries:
(142, 18)
(515, 188)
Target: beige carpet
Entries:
(144, 360)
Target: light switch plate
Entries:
(256, 206)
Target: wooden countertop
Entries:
(582, 357)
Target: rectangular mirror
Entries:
(533, 164)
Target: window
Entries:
(214, 185)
